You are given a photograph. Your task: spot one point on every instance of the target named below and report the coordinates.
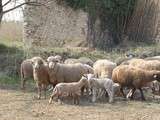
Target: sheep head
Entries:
(52, 65)
(53, 59)
(37, 62)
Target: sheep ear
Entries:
(84, 75)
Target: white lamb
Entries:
(98, 85)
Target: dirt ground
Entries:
(18, 105)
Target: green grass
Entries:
(9, 80)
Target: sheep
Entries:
(153, 58)
(67, 72)
(71, 61)
(133, 77)
(72, 89)
(146, 65)
(103, 68)
(56, 58)
(83, 60)
(26, 71)
(40, 74)
(97, 84)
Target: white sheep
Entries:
(103, 68)
(26, 71)
(83, 60)
(56, 58)
(40, 74)
(72, 89)
(100, 84)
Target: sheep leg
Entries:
(142, 95)
(121, 89)
(131, 93)
(77, 100)
(82, 91)
(110, 94)
(44, 89)
(23, 81)
(39, 90)
(93, 95)
(51, 97)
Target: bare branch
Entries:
(25, 3)
(7, 3)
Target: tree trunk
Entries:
(98, 38)
(1, 11)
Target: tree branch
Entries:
(25, 3)
(6, 3)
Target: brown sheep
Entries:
(26, 71)
(40, 74)
(135, 78)
(146, 65)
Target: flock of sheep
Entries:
(74, 77)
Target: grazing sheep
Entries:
(40, 74)
(98, 85)
(153, 58)
(83, 60)
(103, 68)
(71, 61)
(26, 71)
(146, 65)
(135, 78)
(72, 89)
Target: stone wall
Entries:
(56, 25)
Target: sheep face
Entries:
(52, 59)
(37, 62)
(52, 65)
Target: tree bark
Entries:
(1, 11)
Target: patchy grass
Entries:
(9, 80)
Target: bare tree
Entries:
(17, 5)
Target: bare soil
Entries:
(18, 105)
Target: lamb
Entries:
(103, 68)
(40, 74)
(97, 84)
(135, 78)
(72, 89)
(26, 71)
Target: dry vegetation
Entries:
(17, 105)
